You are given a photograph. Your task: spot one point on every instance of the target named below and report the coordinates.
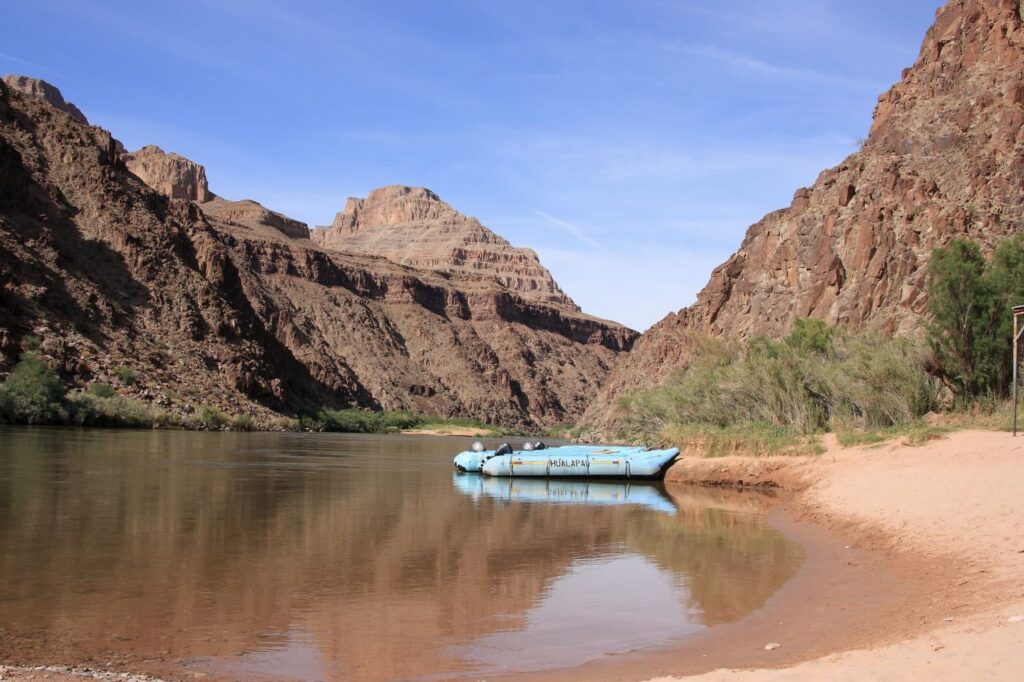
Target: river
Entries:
(300, 556)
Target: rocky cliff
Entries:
(33, 87)
(216, 302)
(170, 174)
(412, 226)
(944, 158)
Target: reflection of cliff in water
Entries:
(183, 544)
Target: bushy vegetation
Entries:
(364, 421)
(211, 417)
(33, 393)
(773, 396)
(969, 304)
(127, 375)
(90, 408)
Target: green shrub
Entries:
(101, 390)
(771, 396)
(33, 393)
(285, 424)
(242, 422)
(211, 417)
(127, 375)
(30, 343)
(90, 409)
(969, 302)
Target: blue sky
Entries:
(629, 143)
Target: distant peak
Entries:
(36, 87)
(390, 192)
(414, 226)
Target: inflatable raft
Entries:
(569, 461)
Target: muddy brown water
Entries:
(324, 556)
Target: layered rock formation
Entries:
(215, 303)
(412, 226)
(252, 215)
(944, 159)
(33, 87)
(170, 174)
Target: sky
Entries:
(631, 144)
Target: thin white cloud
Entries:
(568, 227)
(753, 64)
(34, 65)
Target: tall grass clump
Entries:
(773, 396)
(100, 407)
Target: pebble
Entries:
(1015, 619)
(83, 672)
(771, 646)
(948, 619)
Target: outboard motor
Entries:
(539, 445)
(527, 446)
(503, 449)
(477, 446)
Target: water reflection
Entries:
(348, 556)
(555, 491)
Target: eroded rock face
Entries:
(944, 159)
(208, 307)
(34, 87)
(412, 226)
(252, 215)
(170, 174)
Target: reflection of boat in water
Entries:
(568, 461)
(560, 491)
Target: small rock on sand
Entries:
(771, 646)
(1015, 619)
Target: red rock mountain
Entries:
(172, 175)
(412, 226)
(229, 304)
(33, 87)
(944, 159)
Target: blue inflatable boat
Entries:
(569, 461)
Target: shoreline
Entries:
(914, 567)
(940, 526)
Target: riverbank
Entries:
(954, 508)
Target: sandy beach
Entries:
(956, 500)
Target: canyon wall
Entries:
(944, 159)
(222, 303)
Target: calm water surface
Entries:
(322, 556)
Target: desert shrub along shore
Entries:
(775, 396)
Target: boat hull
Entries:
(572, 461)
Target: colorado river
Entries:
(327, 556)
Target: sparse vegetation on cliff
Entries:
(364, 421)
